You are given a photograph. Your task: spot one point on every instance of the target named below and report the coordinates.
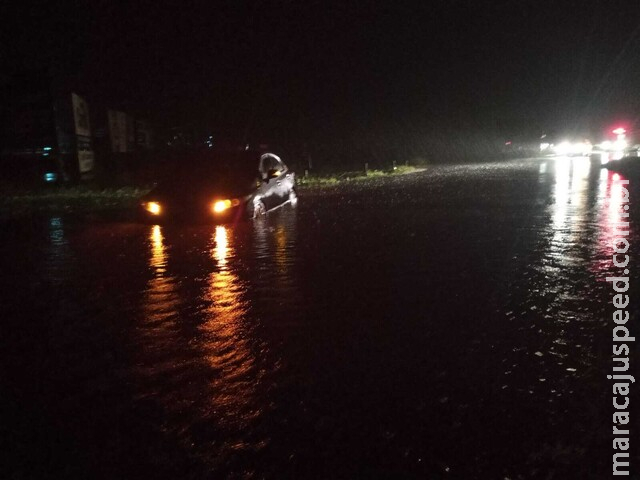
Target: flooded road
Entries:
(453, 323)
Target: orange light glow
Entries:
(153, 208)
(222, 205)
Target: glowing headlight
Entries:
(222, 205)
(153, 208)
(562, 148)
(572, 148)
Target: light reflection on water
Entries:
(615, 196)
(59, 254)
(204, 359)
(160, 300)
(275, 253)
(158, 261)
(226, 342)
(560, 302)
(569, 206)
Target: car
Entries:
(220, 187)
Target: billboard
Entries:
(86, 160)
(143, 135)
(86, 157)
(117, 131)
(131, 133)
(80, 115)
(121, 131)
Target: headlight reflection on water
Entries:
(569, 210)
(227, 342)
(614, 196)
(221, 248)
(158, 255)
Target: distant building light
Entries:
(45, 154)
(619, 131)
(50, 177)
(46, 149)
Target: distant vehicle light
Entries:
(620, 144)
(46, 149)
(153, 208)
(563, 148)
(615, 149)
(572, 148)
(50, 177)
(222, 205)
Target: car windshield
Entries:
(195, 171)
(225, 163)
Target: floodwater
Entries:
(454, 323)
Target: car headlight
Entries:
(220, 206)
(153, 207)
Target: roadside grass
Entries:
(328, 180)
(80, 198)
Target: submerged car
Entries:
(222, 187)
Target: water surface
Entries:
(453, 323)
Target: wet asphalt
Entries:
(452, 323)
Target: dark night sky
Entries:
(360, 68)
